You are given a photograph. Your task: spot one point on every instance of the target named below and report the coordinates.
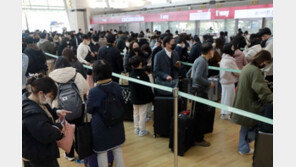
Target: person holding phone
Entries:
(167, 62)
(40, 133)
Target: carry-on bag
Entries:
(66, 142)
(83, 137)
(214, 93)
(263, 153)
(127, 104)
(185, 133)
(266, 111)
(163, 112)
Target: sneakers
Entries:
(143, 133)
(203, 144)
(136, 131)
(69, 158)
(225, 117)
(79, 161)
(250, 152)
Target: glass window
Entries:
(269, 24)
(187, 27)
(160, 26)
(56, 2)
(47, 20)
(230, 26)
(39, 2)
(250, 25)
(213, 26)
(24, 24)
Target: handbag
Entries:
(67, 141)
(83, 136)
(123, 82)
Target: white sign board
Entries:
(200, 16)
(253, 13)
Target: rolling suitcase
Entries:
(163, 112)
(266, 111)
(214, 94)
(263, 154)
(185, 133)
(127, 105)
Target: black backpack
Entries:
(112, 111)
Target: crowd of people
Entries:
(152, 57)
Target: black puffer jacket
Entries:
(140, 94)
(39, 135)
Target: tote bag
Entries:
(66, 142)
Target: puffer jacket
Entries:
(252, 51)
(64, 75)
(39, 132)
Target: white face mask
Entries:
(87, 42)
(127, 44)
(47, 100)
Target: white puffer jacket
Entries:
(63, 75)
(252, 51)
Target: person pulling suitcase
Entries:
(204, 115)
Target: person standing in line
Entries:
(252, 94)
(62, 74)
(141, 96)
(200, 86)
(228, 79)
(253, 48)
(266, 36)
(105, 138)
(240, 58)
(112, 55)
(166, 62)
(83, 50)
(40, 133)
(195, 51)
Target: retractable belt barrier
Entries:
(216, 68)
(192, 97)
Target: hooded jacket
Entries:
(39, 132)
(240, 58)
(252, 51)
(228, 77)
(64, 75)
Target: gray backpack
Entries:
(69, 99)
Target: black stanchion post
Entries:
(175, 92)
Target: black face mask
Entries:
(173, 46)
(137, 50)
(146, 54)
(262, 66)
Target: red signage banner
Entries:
(252, 11)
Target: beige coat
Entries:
(63, 75)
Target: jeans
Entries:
(246, 135)
(118, 158)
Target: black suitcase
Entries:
(263, 153)
(163, 112)
(210, 120)
(127, 105)
(185, 133)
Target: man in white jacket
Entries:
(83, 50)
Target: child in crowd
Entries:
(141, 96)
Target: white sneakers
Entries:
(250, 152)
(141, 133)
(69, 158)
(225, 117)
(136, 131)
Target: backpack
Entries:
(69, 99)
(112, 111)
